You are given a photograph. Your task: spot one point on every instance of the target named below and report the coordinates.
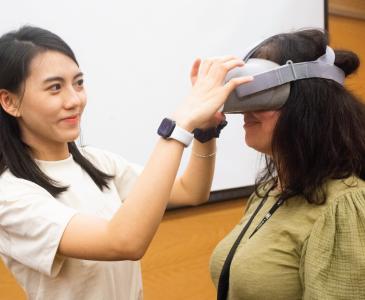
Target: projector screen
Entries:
(137, 55)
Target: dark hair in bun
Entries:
(348, 61)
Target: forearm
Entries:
(194, 186)
(137, 220)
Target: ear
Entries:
(10, 103)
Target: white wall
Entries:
(136, 56)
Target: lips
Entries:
(71, 119)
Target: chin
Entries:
(257, 146)
(258, 142)
(70, 137)
(251, 142)
(73, 139)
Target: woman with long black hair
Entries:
(74, 221)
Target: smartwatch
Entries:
(169, 130)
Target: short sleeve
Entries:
(126, 177)
(333, 257)
(32, 223)
(125, 173)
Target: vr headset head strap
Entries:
(270, 87)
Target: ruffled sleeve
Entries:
(333, 256)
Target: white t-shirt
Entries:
(32, 223)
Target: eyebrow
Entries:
(59, 78)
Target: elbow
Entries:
(201, 199)
(198, 200)
(137, 252)
(132, 252)
(128, 248)
(136, 255)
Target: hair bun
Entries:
(348, 61)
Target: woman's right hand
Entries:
(209, 91)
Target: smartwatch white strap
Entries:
(182, 135)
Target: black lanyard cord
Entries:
(277, 204)
(223, 283)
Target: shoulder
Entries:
(107, 161)
(341, 189)
(11, 185)
(345, 203)
(32, 222)
(344, 207)
(18, 195)
(333, 254)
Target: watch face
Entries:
(166, 127)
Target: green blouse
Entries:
(305, 251)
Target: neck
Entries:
(43, 148)
(53, 151)
(57, 154)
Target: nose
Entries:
(73, 98)
(249, 117)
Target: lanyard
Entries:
(223, 283)
(277, 204)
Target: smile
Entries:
(72, 120)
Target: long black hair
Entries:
(17, 49)
(320, 133)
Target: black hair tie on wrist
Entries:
(205, 135)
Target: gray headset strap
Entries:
(321, 68)
(329, 57)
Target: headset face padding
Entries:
(269, 99)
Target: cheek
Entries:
(83, 101)
(268, 127)
(38, 110)
(269, 120)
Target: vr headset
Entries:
(271, 85)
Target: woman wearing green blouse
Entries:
(312, 244)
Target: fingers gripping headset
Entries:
(271, 85)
